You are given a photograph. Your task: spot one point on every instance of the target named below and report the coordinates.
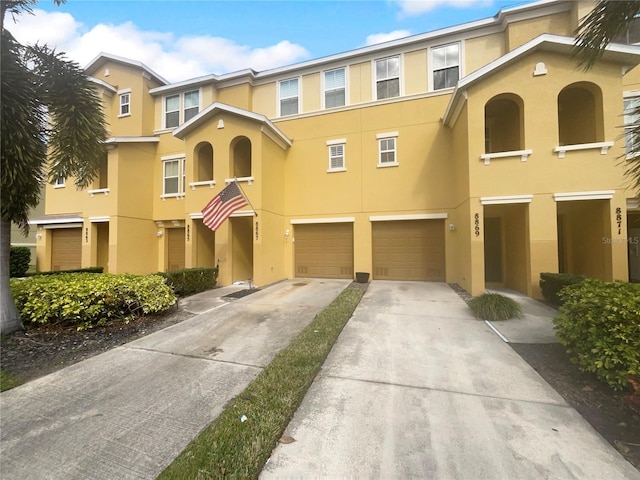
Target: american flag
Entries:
(222, 205)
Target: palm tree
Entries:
(48, 105)
(609, 21)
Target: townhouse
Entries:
(477, 154)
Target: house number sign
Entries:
(476, 224)
(619, 219)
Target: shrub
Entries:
(552, 283)
(493, 306)
(19, 259)
(89, 300)
(191, 280)
(599, 325)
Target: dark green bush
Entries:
(88, 300)
(552, 283)
(599, 325)
(19, 259)
(75, 270)
(191, 280)
(493, 306)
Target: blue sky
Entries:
(186, 39)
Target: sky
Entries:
(184, 39)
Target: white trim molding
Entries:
(303, 221)
(249, 180)
(62, 225)
(52, 221)
(380, 136)
(415, 216)
(506, 199)
(593, 195)
(99, 219)
(98, 191)
(633, 203)
(603, 146)
(523, 154)
(243, 213)
(210, 183)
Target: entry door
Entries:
(493, 250)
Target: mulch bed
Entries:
(39, 351)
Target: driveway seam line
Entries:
(192, 356)
(378, 382)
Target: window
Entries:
(387, 77)
(59, 183)
(336, 155)
(289, 97)
(631, 122)
(446, 66)
(172, 111)
(179, 109)
(191, 105)
(125, 103)
(334, 88)
(387, 156)
(174, 178)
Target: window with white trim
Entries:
(59, 182)
(336, 155)
(172, 111)
(631, 121)
(173, 177)
(289, 95)
(335, 88)
(387, 149)
(191, 105)
(181, 108)
(125, 103)
(446, 65)
(387, 77)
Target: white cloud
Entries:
(418, 7)
(376, 38)
(174, 58)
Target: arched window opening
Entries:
(204, 162)
(241, 157)
(504, 124)
(580, 118)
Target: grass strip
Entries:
(8, 382)
(229, 447)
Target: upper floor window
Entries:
(631, 124)
(387, 77)
(173, 176)
(446, 66)
(59, 183)
(181, 108)
(387, 149)
(631, 35)
(334, 88)
(336, 155)
(125, 103)
(289, 94)
(580, 115)
(504, 124)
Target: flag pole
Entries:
(235, 179)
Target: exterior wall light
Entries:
(160, 233)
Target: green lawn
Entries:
(7, 381)
(231, 447)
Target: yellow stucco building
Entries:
(477, 154)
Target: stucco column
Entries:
(543, 240)
(615, 220)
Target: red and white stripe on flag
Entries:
(222, 205)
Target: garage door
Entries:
(324, 250)
(66, 248)
(409, 250)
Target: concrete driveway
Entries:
(127, 413)
(416, 387)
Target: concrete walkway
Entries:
(416, 387)
(127, 413)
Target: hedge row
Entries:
(552, 283)
(88, 300)
(19, 259)
(599, 325)
(191, 280)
